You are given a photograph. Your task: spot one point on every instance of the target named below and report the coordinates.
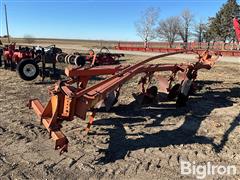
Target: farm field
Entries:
(177, 117)
(129, 141)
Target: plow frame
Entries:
(68, 101)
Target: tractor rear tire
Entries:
(28, 69)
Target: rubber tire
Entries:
(71, 59)
(66, 59)
(61, 57)
(21, 65)
(80, 61)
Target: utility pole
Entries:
(7, 22)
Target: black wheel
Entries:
(174, 91)
(61, 57)
(66, 59)
(28, 69)
(80, 61)
(70, 59)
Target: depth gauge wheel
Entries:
(28, 69)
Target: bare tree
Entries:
(199, 30)
(145, 27)
(186, 20)
(168, 30)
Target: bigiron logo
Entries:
(201, 171)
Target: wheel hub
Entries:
(29, 70)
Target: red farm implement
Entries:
(226, 49)
(26, 60)
(72, 97)
(103, 57)
(132, 47)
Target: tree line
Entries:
(184, 27)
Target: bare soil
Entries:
(129, 142)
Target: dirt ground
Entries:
(129, 142)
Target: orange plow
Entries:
(72, 97)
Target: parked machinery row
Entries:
(31, 62)
(27, 60)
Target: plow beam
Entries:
(93, 71)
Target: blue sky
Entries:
(82, 19)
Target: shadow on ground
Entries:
(195, 112)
